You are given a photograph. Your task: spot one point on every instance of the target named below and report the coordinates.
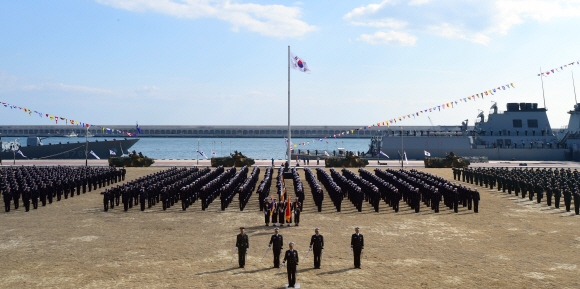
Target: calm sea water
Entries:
(257, 148)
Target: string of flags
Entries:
(68, 121)
(558, 69)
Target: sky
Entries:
(217, 62)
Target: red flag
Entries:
(288, 211)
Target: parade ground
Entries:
(511, 243)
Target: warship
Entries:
(522, 132)
(35, 149)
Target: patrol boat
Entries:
(35, 149)
(521, 133)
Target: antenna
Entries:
(543, 96)
(574, 87)
(431, 122)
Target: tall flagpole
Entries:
(289, 156)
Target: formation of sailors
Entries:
(227, 191)
(245, 190)
(39, 185)
(392, 186)
(160, 187)
(334, 191)
(315, 189)
(264, 189)
(555, 183)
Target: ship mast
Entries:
(543, 96)
(574, 87)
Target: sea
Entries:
(256, 148)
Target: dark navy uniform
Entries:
(291, 258)
(357, 245)
(317, 245)
(277, 244)
(243, 244)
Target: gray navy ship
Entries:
(35, 149)
(521, 133)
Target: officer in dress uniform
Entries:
(276, 243)
(291, 257)
(357, 246)
(242, 245)
(317, 245)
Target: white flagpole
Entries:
(289, 131)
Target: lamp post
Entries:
(87, 147)
(402, 149)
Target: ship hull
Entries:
(73, 150)
(415, 148)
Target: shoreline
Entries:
(264, 163)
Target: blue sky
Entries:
(225, 62)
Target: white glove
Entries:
(310, 248)
(247, 249)
(283, 263)
(362, 251)
(351, 249)
(268, 247)
(236, 248)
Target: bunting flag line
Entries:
(68, 121)
(558, 69)
(95, 155)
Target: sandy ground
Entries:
(511, 243)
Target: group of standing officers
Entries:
(291, 259)
(550, 182)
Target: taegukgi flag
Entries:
(298, 63)
(427, 154)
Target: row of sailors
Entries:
(315, 189)
(264, 187)
(42, 184)
(331, 187)
(245, 190)
(298, 188)
(228, 190)
(349, 189)
(370, 191)
(555, 183)
(211, 190)
(149, 190)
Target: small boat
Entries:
(72, 134)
